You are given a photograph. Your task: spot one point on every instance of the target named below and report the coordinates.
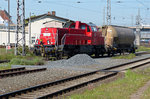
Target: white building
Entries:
(45, 20)
(4, 18)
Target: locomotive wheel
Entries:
(58, 55)
(61, 55)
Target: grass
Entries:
(6, 55)
(129, 56)
(142, 48)
(146, 94)
(5, 66)
(119, 89)
(29, 59)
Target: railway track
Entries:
(56, 88)
(4, 61)
(17, 71)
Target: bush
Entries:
(27, 61)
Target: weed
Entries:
(142, 48)
(129, 56)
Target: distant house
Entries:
(4, 18)
(45, 20)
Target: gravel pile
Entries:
(77, 60)
(80, 59)
(24, 81)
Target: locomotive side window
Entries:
(94, 29)
(72, 26)
(88, 29)
(33, 40)
(82, 27)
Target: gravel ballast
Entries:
(24, 81)
(77, 64)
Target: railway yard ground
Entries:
(131, 85)
(77, 64)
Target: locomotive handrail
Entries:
(62, 40)
(56, 40)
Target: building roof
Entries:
(48, 14)
(5, 15)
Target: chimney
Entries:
(53, 13)
(49, 13)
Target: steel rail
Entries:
(107, 75)
(20, 72)
(11, 70)
(4, 61)
(109, 68)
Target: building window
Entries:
(33, 40)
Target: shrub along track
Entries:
(56, 88)
(17, 71)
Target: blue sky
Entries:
(123, 13)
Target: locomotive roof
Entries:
(91, 24)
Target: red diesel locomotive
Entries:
(78, 38)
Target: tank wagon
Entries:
(84, 38)
(118, 39)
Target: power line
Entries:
(62, 4)
(142, 4)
